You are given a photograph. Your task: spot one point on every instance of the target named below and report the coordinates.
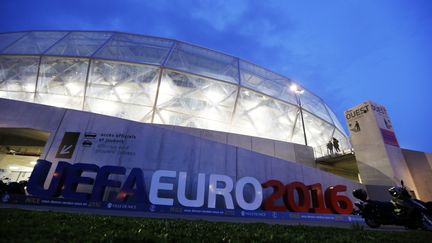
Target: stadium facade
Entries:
(176, 124)
(161, 81)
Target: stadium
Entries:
(112, 98)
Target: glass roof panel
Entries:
(79, 44)
(133, 48)
(62, 76)
(18, 73)
(9, 38)
(21, 96)
(35, 42)
(188, 120)
(260, 115)
(201, 97)
(334, 118)
(315, 105)
(123, 82)
(205, 62)
(318, 132)
(265, 81)
(63, 101)
(298, 135)
(114, 108)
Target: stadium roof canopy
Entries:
(163, 81)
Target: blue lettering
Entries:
(37, 179)
(67, 177)
(102, 181)
(136, 179)
(74, 178)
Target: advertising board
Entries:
(92, 159)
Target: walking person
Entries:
(330, 148)
(336, 145)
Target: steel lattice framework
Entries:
(163, 81)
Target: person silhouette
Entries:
(336, 145)
(357, 126)
(330, 148)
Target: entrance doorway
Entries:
(20, 148)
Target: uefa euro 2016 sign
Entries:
(297, 196)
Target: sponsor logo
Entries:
(297, 196)
(354, 127)
(67, 145)
(379, 109)
(357, 112)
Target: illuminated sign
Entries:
(297, 197)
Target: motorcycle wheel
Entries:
(372, 223)
(426, 220)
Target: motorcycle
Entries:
(402, 210)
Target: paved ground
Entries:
(193, 217)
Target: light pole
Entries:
(297, 92)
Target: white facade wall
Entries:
(152, 147)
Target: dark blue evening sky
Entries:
(345, 51)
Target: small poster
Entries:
(389, 137)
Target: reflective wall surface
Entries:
(162, 81)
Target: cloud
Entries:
(219, 13)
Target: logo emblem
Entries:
(355, 127)
(67, 145)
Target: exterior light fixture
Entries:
(296, 89)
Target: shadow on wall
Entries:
(377, 183)
(374, 176)
(377, 192)
(420, 166)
